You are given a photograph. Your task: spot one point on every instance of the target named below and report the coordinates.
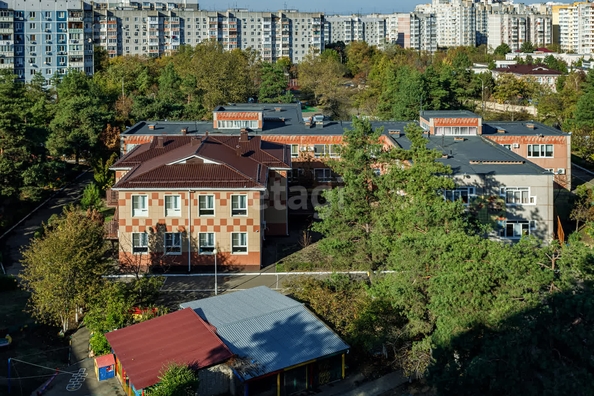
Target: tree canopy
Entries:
(461, 310)
(63, 268)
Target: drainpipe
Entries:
(189, 232)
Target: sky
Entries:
(327, 7)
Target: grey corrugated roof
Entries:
(267, 330)
(476, 148)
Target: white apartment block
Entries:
(456, 23)
(158, 29)
(45, 37)
(348, 28)
(573, 26)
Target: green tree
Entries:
(112, 308)
(584, 115)
(502, 50)
(527, 47)
(534, 319)
(401, 94)
(583, 208)
(77, 126)
(556, 64)
(64, 267)
(104, 177)
(273, 85)
(91, 197)
(347, 218)
(510, 89)
(176, 380)
(360, 58)
(322, 77)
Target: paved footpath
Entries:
(21, 235)
(351, 385)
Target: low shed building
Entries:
(144, 349)
(280, 347)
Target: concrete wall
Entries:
(541, 187)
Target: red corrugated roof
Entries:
(527, 70)
(145, 348)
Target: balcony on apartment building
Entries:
(75, 15)
(112, 228)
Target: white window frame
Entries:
(294, 150)
(329, 150)
(205, 248)
(460, 193)
(519, 228)
(239, 210)
(139, 243)
(521, 199)
(541, 151)
(326, 175)
(237, 124)
(207, 209)
(172, 243)
(241, 248)
(142, 201)
(174, 211)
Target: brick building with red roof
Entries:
(181, 200)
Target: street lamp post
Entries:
(216, 281)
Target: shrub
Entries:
(91, 197)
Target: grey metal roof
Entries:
(466, 156)
(266, 330)
(519, 128)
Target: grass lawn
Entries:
(310, 109)
(33, 343)
(306, 259)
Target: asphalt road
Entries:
(22, 235)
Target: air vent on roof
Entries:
(151, 127)
(500, 130)
(530, 125)
(277, 109)
(459, 139)
(394, 132)
(184, 131)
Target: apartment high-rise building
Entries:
(573, 26)
(45, 37)
(158, 29)
(348, 28)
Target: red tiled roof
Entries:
(182, 337)
(528, 70)
(212, 162)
